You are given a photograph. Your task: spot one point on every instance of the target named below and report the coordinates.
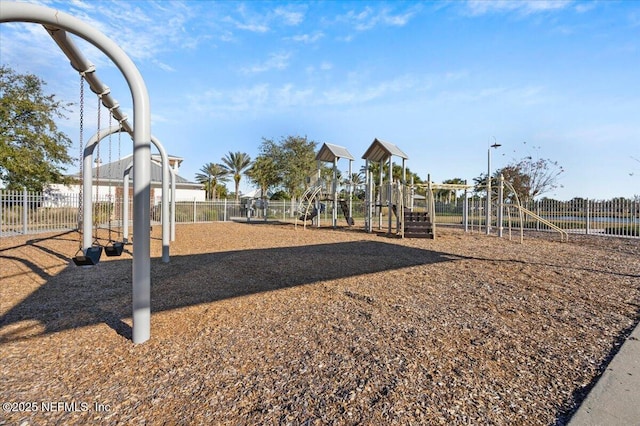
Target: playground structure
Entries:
(382, 193)
(57, 24)
(391, 196)
(319, 190)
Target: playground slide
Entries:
(310, 215)
(345, 212)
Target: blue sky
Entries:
(439, 79)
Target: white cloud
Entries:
(370, 18)
(290, 17)
(277, 61)
(325, 66)
(524, 7)
(308, 38)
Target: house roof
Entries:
(381, 151)
(329, 153)
(114, 172)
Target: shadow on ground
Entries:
(79, 297)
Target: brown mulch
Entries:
(268, 324)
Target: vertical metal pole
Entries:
(173, 205)
(165, 219)
(125, 205)
(390, 194)
(500, 205)
(194, 209)
(380, 196)
(586, 215)
(350, 190)
(431, 206)
(367, 197)
(25, 210)
(465, 210)
(334, 189)
(488, 206)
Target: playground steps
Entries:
(417, 225)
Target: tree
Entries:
(449, 194)
(357, 179)
(264, 173)
(532, 177)
(33, 152)
(211, 175)
(236, 163)
(294, 157)
(374, 168)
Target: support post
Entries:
(390, 195)
(500, 205)
(380, 196)
(173, 205)
(465, 209)
(334, 190)
(488, 206)
(125, 204)
(350, 190)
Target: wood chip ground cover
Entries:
(269, 324)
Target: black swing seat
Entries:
(89, 258)
(114, 249)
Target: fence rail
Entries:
(24, 212)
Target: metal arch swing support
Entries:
(167, 172)
(141, 267)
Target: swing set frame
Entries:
(57, 24)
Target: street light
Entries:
(488, 208)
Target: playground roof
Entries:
(330, 152)
(381, 150)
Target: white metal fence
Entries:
(24, 212)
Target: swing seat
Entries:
(115, 249)
(89, 258)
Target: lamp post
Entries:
(488, 208)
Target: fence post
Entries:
(25, 212)
(586, 215)
(465, 210)
(194, 209)
(1, 208)
(224, 215)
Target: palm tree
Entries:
(449, 194)
(210, 176)
(236, 163)
(357, 179)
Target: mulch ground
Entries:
(269, 324)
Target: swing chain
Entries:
(98, 163)
(80, 142)
(109, 172)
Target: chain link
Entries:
(80, 159)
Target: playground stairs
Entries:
(417, 225)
